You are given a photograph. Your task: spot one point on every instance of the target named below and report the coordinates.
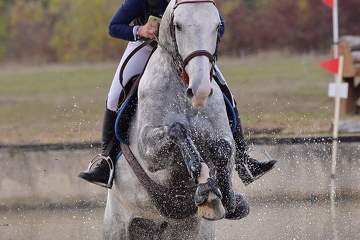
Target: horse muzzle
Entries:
(200, 96)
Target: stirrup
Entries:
(109, 161)
(247, 176)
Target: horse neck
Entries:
(161, 65)
(165, 38)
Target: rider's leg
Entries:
(100, 174)
(249, 169)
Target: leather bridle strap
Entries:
(177, 2)
(184, 76)
(198, 53)
(182, 63)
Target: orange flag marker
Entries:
(331, 65)
(329, 3)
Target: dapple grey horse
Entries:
(180, 137)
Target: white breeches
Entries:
(134, 67)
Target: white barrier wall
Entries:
(45, 178)
(304, 171)
(33, 178)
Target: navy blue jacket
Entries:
(137, 9)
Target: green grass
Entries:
(66, 103)
(52, 104)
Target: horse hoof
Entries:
(208, 199)
(212, 209)
(204, 189)
(242, 208)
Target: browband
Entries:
(179, 2)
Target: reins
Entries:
(171, 202)
(126, 61)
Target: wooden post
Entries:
(335, 147)
(338, 79)
(336, 119)
(336, 28)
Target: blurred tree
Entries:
(227, 6)
(60, 30)
(250, 3)
(4, 5)
(76, 30)
(82, 33)
(30, 30)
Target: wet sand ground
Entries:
(295, 221)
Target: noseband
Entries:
(179, 61)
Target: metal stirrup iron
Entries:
(109, 161)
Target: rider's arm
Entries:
(119, 24)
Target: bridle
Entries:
(178, 60)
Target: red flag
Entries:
(329, 3)
(331, 65)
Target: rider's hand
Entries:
(149, 30)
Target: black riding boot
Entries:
(102, 173)
(249, 169)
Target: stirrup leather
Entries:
(109, 161)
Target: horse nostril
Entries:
(211, 92)
(189, 93)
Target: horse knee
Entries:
(154, 141)
(221, 151)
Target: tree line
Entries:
(76, 30)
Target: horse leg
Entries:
(116, 220)
(235, 205)
(207, 196)
(157, 144)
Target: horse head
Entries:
(189, 30)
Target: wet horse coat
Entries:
(157, 140)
